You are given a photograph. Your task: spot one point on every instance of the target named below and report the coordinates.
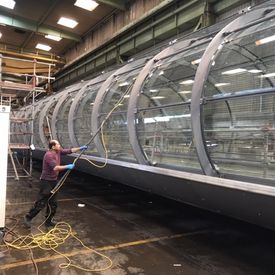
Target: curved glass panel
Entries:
(163, 115)
(116, 137)
(15, 129)
(24, 127)
(83, 114)
(167, 136)
(47, 119)
(238, 132)
(28, 125)
(62, 131)
(36, 137)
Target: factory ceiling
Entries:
(26, 25)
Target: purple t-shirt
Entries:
(50, 160)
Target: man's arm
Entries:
(51, 160)
(76, 149)
(63, 167)
(73, 150)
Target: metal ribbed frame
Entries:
(42, 116)
(201, 77)
(99, 100)
(76, 103)
(59, 105)
(137, 90)
(36, 116)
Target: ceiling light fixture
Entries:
(7, 3)
(0, 34)
(187, 82)
(267, 75)
(86, 4)
(67, 22)
(185, 92)
(235, 71)
(43, 47)
(221, 84)
(195, 62)
(265, 40)
(158, 97)
(53, 37)
(255, 71)
(122, 84)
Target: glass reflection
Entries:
(238, 132)
(163, 118)
(115, 129)
(62, 130)
(83, 115)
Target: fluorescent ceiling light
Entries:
(221, 84)
(154, 90)
(156, 119)
(195, 62)
(265, 40)
(255, 71)
(86, 4)
(235, 71)
(185, 92)
(7, 3)
(158, 97)
(70, 23)
(53, 37)
(126, 96)
(161, 118)
(267, 75)
(123, 84)
(43, 47)
(189, 81)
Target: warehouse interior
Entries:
(159, 115)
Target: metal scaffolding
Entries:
(21, 129)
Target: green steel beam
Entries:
(33, 26)
(222, 6)
(118, 4)
(182, 15)
(147, 27)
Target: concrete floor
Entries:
(142, 233)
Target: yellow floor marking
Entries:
(104, 248)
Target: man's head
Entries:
(54, 145)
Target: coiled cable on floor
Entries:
(11, 232)
(57, 236)
(51, 240)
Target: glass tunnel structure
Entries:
(194, 123)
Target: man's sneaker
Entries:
(50, 223)
(27, 221)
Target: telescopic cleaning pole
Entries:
(61, 181)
